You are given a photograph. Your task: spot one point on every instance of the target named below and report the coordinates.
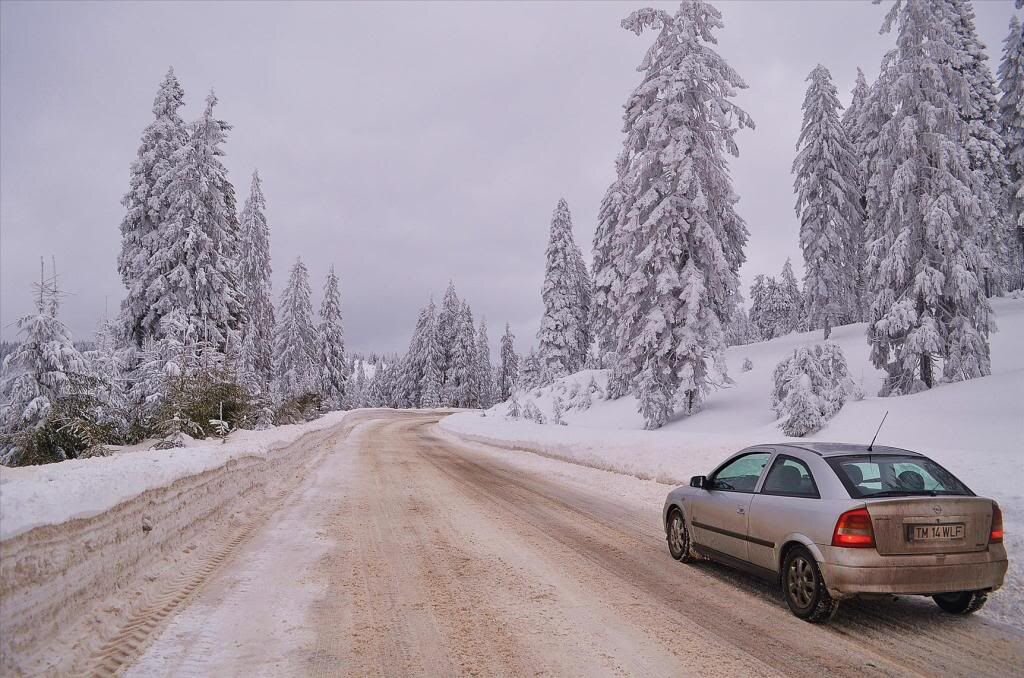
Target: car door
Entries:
(788, 503)
(719, 517)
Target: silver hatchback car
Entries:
(832, 521)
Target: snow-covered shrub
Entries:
(557, 410)
(532, 413)
(747, 365)
(514, 411)
(810, 387)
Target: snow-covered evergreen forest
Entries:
(909, 212)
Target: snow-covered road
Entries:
(391, 549)
(406, 554)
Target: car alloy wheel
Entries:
(800, 582)
(804, 589)
(678, 537)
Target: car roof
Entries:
(843, 449)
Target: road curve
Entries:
(404, 553)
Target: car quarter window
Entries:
(741, 474)
(790, 477)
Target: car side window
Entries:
(790, 477)
(742, 474)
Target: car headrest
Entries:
(912, 480)
(854, 473)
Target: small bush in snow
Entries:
(747, 365)
(533, 413)
(513, 407)
(557, 410)
(810, 388)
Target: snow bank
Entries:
(974, 428)
(51, 494)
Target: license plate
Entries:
(942, 532)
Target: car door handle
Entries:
(741, 509)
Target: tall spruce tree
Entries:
(332, 364)
(564, 335)
(926, 247)
(484, 371)
(851, 123)
(791, 303)
(678, 238)
(609, 253)
(1011, 117)
(508, 375)
(980, 114)
(147, 203)
(294, 338)
(254, 279)
(448, 323)
(197, 252)
(828, 206)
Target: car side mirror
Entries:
(699, 481)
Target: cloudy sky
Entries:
(404, 143)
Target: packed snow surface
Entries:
(51, 494)
(974, 428)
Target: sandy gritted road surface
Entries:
(401, 552)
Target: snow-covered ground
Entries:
(974, 428)
(51, 494)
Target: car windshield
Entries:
(890, 475)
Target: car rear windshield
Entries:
(892, 475)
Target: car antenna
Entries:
(879, 429)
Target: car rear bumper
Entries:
(912, 575)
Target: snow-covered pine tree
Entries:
(563, 337)
(584, 308)
(740, 330)
(609, 254)
(197, 252)
(430, 386)
(107, 363)
(758, 303)
(484, 371)
(851, 117)
(359, 394)
(449, 320)
(529, 371)
(828, 206)
(465, 361)
(1011, 117)
(294, 338)
(985, 148)
(508, 375)
(793, 303)
(926, 246)
(332, 364)
(43, 370)
(254, 278)
(683, 238)
(147, 204)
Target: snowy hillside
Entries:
(975, 428)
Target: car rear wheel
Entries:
(961, 602)
(804, 588)
(678, 537)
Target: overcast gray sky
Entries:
(404, 143)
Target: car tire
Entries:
(804, 588)
(678, 536)
(961, 602)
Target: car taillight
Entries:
(996, 535)
(853, 530)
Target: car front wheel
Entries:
(961, 602)
(678, 537)
(804, 588)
